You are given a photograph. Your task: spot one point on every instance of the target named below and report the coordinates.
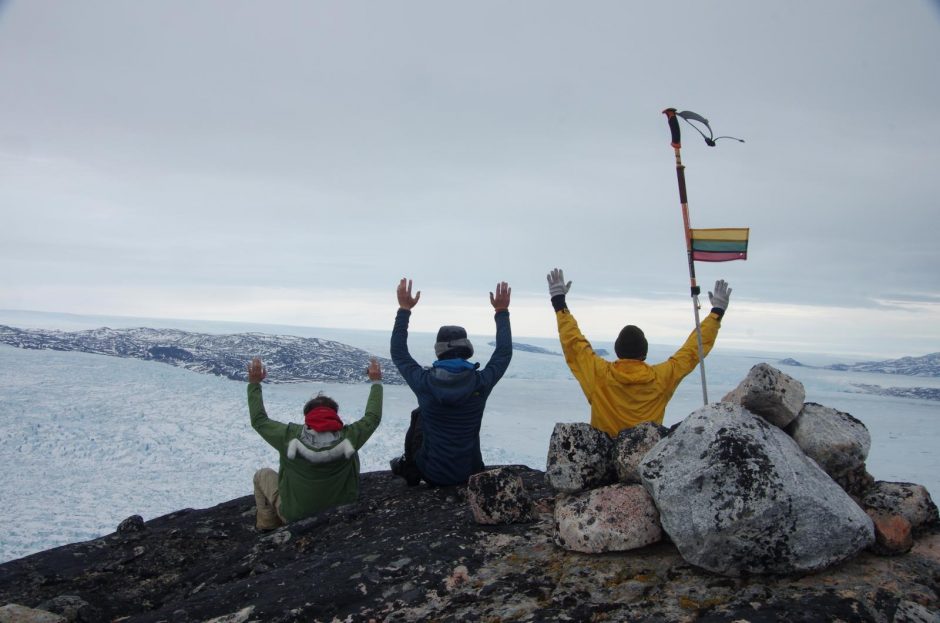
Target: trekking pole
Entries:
(684, 201)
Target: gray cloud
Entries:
(330, 145)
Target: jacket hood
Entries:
(632, 372)
(452, 387)
(317, 447)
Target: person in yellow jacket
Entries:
(629, 391)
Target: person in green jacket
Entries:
(319, 464)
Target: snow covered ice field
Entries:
(87, 440)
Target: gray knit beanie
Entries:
(452, 343)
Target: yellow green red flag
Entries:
(719, 245)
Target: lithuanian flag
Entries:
(719, 245)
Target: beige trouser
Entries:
(267, 500)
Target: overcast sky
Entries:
(289, 162)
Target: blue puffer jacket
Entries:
(451, 404)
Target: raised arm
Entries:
(407, 366)
(270, 430)
(579, 354)
(359, 431)
(502, 354)
(405, 300)
(500, 301)
(686, 358)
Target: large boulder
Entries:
(737, 496)
(769, 393)
(837, 441)
(579, 458)
(498, 496)
(911, 501)
(631, 445)
(609, 519)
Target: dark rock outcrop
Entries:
(415, 554)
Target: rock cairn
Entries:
(761, 482)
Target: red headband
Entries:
(323, 419)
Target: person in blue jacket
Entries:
(442, 445)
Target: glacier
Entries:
(87, 440)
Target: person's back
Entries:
(318, 460)
(629, 391)
(452, 393)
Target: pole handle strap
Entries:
(674, 127)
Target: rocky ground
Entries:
(415, 554)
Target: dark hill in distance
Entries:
(529, 348)
(288, 358)
(927, 365)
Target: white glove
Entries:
(721, 295)
(556, 282)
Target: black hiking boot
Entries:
(407, 470)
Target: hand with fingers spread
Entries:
(719, 298)
(374, 371)
(556, 282)
(256, 371)
(500, 300)
(405, 300)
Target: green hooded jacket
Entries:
(317, 470)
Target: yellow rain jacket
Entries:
(628, 392)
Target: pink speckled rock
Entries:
(609, 519)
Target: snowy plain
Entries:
(88, 440)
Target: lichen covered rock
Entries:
(737, 496)
(837, 441)
(911, 501)
(614, 518)
(769, 393)
(631, 445)
(579, 458)
(498, 496)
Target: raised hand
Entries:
(374, 371)
(556, 282)
(256, 371)
(500, 300)
(721, 295)
(405, 300)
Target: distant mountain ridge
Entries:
(529, 348)
(288, 359)
(927, 365)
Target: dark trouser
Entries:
(413, 437)
(406, 466)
